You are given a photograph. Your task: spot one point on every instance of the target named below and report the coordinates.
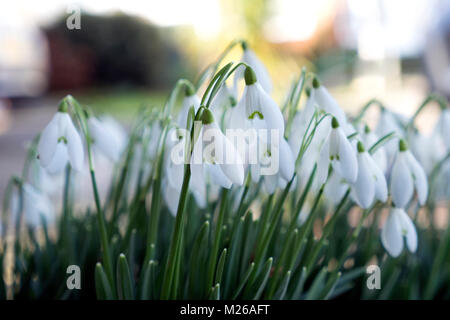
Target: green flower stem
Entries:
(176, 236)
(100, 214)
(295, 99)
(364, 109)
(65, 227)
(442, 101)
(212, 68)
(152, 234)
(216, 243)
(168, 107)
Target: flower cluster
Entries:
(231, 146)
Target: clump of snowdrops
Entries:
(296, 208)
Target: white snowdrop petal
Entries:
(262, 75)
(364, 187)
(238, 117)
(391, 236)
(74, 146)
(420, 178)
(408, 230)
(287, 161)
(187, 103)
(218, 177)
(347, 158)
(335, 189)
(59, 160)
(270, 111)
(270, 183)
(401, 181)
(381, 191)
(197, 180)
(103, 140)
(328, 103)
(171, 197)
(48, 141)
(255, 172)
(323, 164)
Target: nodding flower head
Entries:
(215, 151)
(108, 136)
(407, 174)
(256, 108)
(250, 58)
(326, 102)
(190, 99)
(338, 152)
(370, 183)
(60, 143)
(398, 225)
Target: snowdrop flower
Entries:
(286, 165)
(60, 143)
(256, 109)
(407, 174)
(335, 188)
(427, 149)
(250, 58)
(35, 205)
(387, 123)
(218, 156)
(370, 183)
(190, 99)
(338, 151)
(397, 226)
(327, 103)
(107, 136)
(369, 138)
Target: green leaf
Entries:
(102, 285)
(125, 287)
(148, 281)
(220, 266)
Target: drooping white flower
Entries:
(256, 109)
(369, 138)
(397, 226)
(190, 99)
(388, 123)
(325, 101)
(215, 153)
(36, 205)
(428, 150)
(108, 136)
(370, 183)
(407, 174)
(174, 165)
(269, 154)
(250, 58)
(338, 152)
(60, 143)
(335, 188)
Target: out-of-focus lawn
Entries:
(121, 103)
